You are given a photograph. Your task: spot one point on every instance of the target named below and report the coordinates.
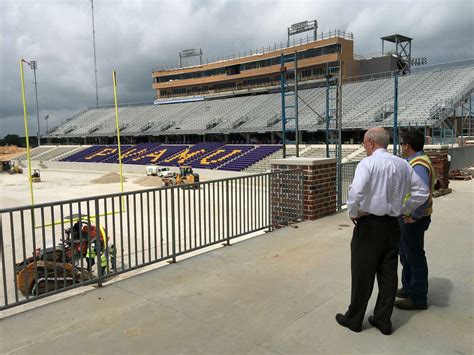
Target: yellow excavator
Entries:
(186, 176)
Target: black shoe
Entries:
(408, 305)
(401, 293)
(383, 330)
(341, 319)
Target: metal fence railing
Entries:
(49, 248)
(347, 175)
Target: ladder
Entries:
(333, 113)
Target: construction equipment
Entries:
(186, 176)
(44, 276)
(15, 169)
(36, 177)
(58, 267)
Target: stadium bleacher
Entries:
(82, 153)
(253, 156)
(189, 155)
(209, 155)
(222, 155)
(250, 158)
(365, 104)
(36, 152)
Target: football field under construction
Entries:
(84, 230)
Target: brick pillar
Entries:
(319, 184)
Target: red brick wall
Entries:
(319, 188)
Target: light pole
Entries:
(95, 58)
(46, 120)
(34, 66)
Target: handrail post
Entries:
(173, 226)
(98, 245)
(301, 180)
(227, 208)
(270, 204)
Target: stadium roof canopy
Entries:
(392, 38)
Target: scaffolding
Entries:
(289, 99)
(334, 120)
(467, 118)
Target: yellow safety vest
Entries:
(425, 161)
(91, 254)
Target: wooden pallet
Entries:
(461, 177)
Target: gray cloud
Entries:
(135, 36)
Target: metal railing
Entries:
(49, 248)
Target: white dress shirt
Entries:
(380, 184)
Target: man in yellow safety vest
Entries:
(414, 290)
(91, 254)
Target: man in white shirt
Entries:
(376, 199)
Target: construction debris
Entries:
(149, 181)
(442, 192)
(439, 157)
(109, 178)
(460, 175)
(8, 156)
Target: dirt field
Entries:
(140, 225)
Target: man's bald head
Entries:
(379, 136)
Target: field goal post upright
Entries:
(334, 121)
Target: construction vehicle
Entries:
(186, 176)
(58, 266)
(43, 276)
(36, 177)
(15, 169)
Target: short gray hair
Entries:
(379, 135)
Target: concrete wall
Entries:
(377, 65)
(461, 157)
(205, 174)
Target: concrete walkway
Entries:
(273, 294)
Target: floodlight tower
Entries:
(34, 66)
(46, 120)
(402, 51)
(95, 58)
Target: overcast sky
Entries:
(133, 36)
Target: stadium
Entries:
(253, 143)
(234, 106)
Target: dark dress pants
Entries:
(413, 260)
(374, 252)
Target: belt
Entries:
(381, 217)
